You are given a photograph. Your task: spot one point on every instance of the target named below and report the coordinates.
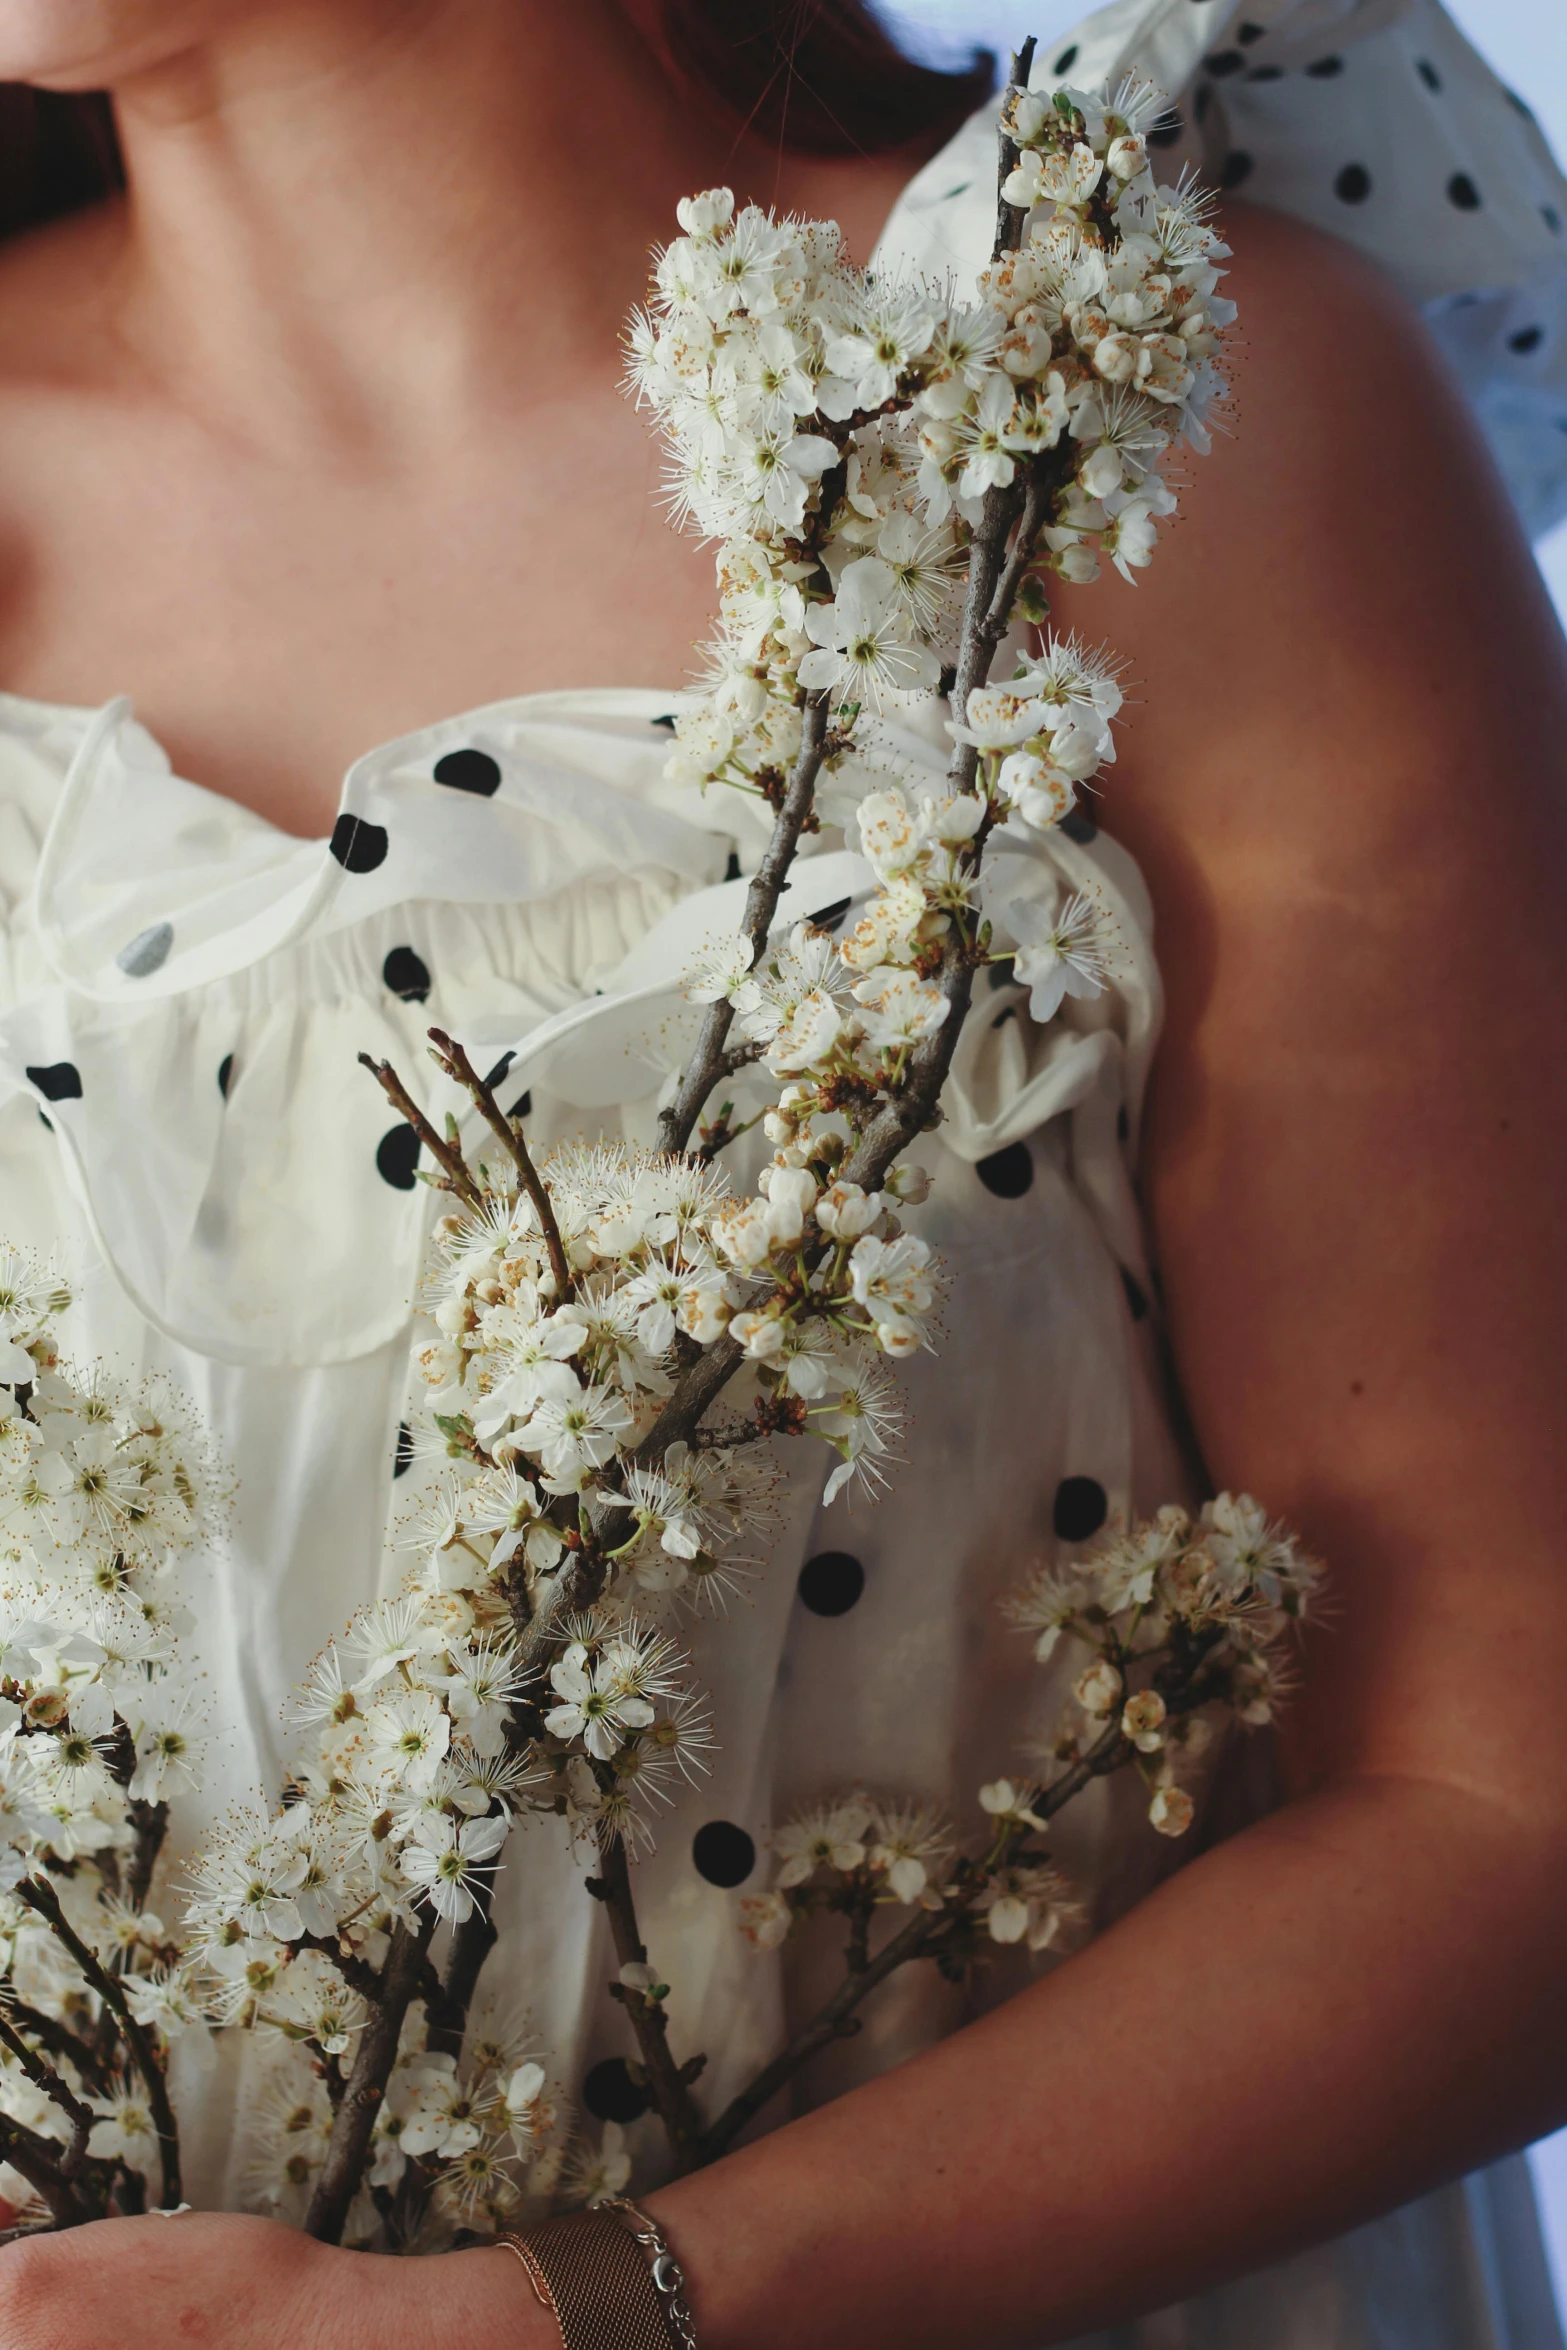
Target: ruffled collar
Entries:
(149, 884)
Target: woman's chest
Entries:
(274, 614)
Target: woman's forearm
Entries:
(1247, 2062)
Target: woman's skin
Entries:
(320, 441)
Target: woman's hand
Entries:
(252, 2284)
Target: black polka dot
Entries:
(473, 771)
(1203, 101)
(1462, 192)
(1136, 1296)
(1247, 32)
(1080, 828)
(407, 975)
(831, 917)
(1353, 184)
(732, 869)
(1266, 73)
(1008, 1173)
(1067, 59)
(60, 1081)
(1003, 973)
(611, 2095)
(1007, 1012)
(147, 952)
(403, 1450)
(1224, 61)
(1237, 168)
(724, 1854)
(225, 1074)
(1326, 69)
(666, 718)
(831, 1582)
(1428, 73)
(1552, 218)
(1528, 338)
(1123, 1125)
(498, 1073)
(1081, 1507)
(1165, 131)
(397, 1156)
(522, 1107)
(358, 847)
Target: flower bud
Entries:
(761, 1335)
(1171, 1811)
(1142, 1721)
(1098, 1688)
(846, 1211)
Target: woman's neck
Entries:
(350, 223)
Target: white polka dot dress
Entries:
(184, 993)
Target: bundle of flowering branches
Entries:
(618, 1335)
(619, 1340)
(104, 1489)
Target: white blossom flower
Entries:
(863, 638)
(599, 1705)
(830, 1837)
(448, 1864)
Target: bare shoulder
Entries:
(1345, 775)
(1343, 666)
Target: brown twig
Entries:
(913, 1940)
(357, 1973)
(446, 2016)
(40, 1896)
(445, 1154)
(709, 1063)
(668, 2083)
(38, 2161)
(45, 2079)
(343, 2169)
(60, 2040)
(1009, 219)
(455, 1062)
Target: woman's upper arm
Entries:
(1345, 774)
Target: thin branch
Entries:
(446, 2018)
(666, 2080)
(343, 2169)
(357, 1973)
(701, 1386)
(708, 1064)
(915, 1940)
(456, 1064)
(151, 1823)
(445, 1154)
(40, 1895)
(38, 2161)
(60, 2040)
(1009, 219)
(45, 2079)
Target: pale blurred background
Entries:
(1526, 41)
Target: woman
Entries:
(319, 439)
